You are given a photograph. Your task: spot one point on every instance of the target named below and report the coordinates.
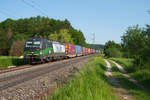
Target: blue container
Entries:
(78, 50)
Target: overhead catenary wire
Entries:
(7, 14)
(38, 5)
(32, 5)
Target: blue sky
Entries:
(108, 19)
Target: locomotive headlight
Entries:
(40, 52)
(49, 51)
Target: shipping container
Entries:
(89, 51)
(86, 51)
(83, 51)
(78, 50)
(70, 50)
(58, 47)
(92, 51)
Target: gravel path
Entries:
(121, 92)
(130, 78)
(40, 84)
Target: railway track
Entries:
(5, 70)
(13, 80)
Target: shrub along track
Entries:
(8, 81)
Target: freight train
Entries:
(39, 50)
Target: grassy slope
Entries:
(136, 92)
(89, 84)
(6, 61)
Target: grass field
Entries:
(136, 92)
(89, 84)
(6, 61)
(142, 76)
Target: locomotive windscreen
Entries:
(33, 44)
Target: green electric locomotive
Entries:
(39, 50)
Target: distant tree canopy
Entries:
(21, 29)
(97, 46)
(112, 49)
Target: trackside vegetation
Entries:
(135, 44)
(6, 61)
(132, 89)
(133, 53)
(142, 76)
(90, 84)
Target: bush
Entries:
(17, 48)
(113, 52)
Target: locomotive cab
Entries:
(37, 50)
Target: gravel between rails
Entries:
(32, 83)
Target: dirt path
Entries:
(120, 92)
(130, 78)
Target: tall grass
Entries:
(89, 84)
(143, 77)
(6, 61)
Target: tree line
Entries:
(13, 33)
(135, 43)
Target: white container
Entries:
(58, 47)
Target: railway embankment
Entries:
(38, 81)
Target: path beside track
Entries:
(120, 92)
(130, 78)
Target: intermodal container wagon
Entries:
(89, 51)
(70, 50)
(78, 50)
(58, 49)
(86, 51)
(83, 51)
